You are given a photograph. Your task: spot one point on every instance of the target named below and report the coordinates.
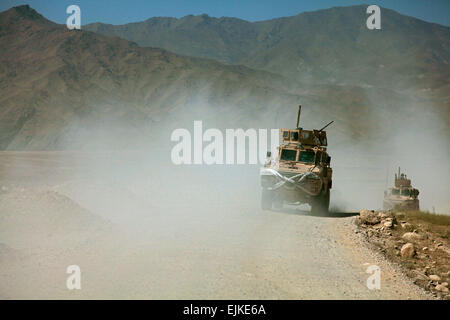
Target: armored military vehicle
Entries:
(402, 195)
(300, 172)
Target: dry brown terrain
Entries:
(417, 241)
(178, 232)
(60, 89)
(140, 227)
(65, 90)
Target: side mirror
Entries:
(269, 154)
(328, 160)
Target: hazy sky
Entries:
(122, 11)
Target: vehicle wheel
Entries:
(320, 204)
(326, 202)
(277, 203)
(266, 199)
(315, 206)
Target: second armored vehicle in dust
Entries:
(300, 172)
(402, 195)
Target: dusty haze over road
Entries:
(140, 229)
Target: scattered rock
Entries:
(434, 277)
(388, 223)
(416, 246)
(369, 217)
(383, 215)
(413, 236)
(407, 226)
(407, 250)
(441, 288)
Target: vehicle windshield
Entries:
(288, 155)
(395, 191)
(306, 156)
(405, 192)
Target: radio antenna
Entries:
(298, 115)
(326, 125)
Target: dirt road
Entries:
(151, 232)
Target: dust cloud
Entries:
(411, 138)
(106, 198)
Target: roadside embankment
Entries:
(417, 241)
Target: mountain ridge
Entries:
(56, 82)
(76, 89)
(322, 46)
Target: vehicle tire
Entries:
(266, 199)
(315, 205)
(320, 204)
(326, 202)
(277, 202)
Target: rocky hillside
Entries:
(57, 85)
(330, 46)
(417, 241)
(70, 89)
